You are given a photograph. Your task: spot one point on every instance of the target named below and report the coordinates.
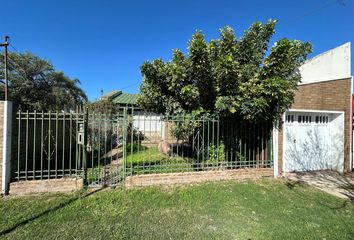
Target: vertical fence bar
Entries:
(76, 142)
(262, 143)
(70, 140)
(92, 131)
(117, 147)
(218, 135)
(198, 143)
(149, 157)
(131, 142)
(34, 144)
(230, 137)
(99, 147)
(19, 145)
(267, 144)
(270, 163)
(111, 169)
(84, 145)
(42, 143)
(56, 145)
(163, 136)
(105, 148)
(63, 147)
(124, 145)
(203, 139)
(258, 140)
(253, 144)
(26, 164)
(208, 142)
(49, 136)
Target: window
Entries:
(322, 119)
(289, 118)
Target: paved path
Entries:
(328, 181)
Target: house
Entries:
(316, 132)
(142, 121)
(127, 100)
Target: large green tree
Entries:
(35, 84)
(237, 77)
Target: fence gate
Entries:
(105, 141)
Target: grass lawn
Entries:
(151, 160)
(265, 209)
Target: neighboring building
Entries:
(317, 129)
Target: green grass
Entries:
(151, 160)
(143, 160)
(267, 209)
(145, 155)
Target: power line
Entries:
(326, 5)
(14, 48)
(131, 85)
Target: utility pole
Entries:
(5, 44)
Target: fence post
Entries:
(84, 145)
(124, 132)
(275, 150)
(6, 146)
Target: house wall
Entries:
(5, 144)
(1, 139)
(332, 95)
(332, 64)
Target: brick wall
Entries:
(331, 95)
(1, 138)
(196, 177)
(44, 186)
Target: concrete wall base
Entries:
(196, 177)
(45, 186)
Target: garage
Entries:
(313, 140)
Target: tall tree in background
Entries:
(35, 84)
(227, 76)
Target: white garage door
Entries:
(313, 141)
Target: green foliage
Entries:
(215, 154)
(227, 76)
(103, 106)
(135, 147)
(35, 84)
(184, 128)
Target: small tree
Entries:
(103, 106)
(228, 76)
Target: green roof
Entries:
(125, 98)
(111, 95)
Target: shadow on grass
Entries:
(333, 178)
(330, 179)
(46, 212)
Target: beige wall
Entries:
(1, 138)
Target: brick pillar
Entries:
(5, 145)
(275, 142)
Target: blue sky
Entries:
(104, 42)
